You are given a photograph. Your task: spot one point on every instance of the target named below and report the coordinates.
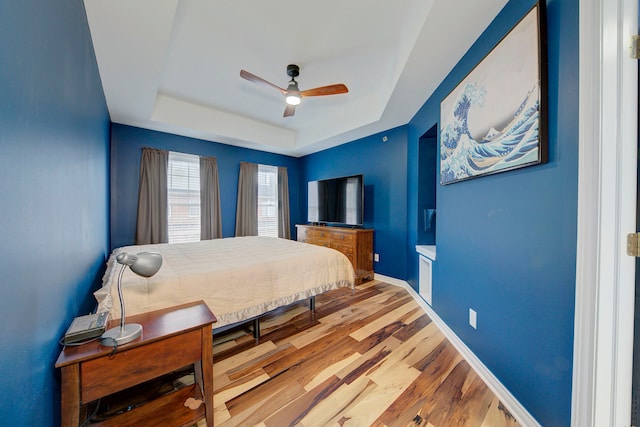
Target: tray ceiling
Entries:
(174, 65)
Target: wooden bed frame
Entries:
(255, 321)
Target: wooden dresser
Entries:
(355, 243)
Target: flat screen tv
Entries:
(336, 201)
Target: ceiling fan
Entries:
(292, 93)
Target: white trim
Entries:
(588, 203)
(516, 409)
(603, 343)
(391, 280)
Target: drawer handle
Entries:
(342, 237)
(321, 234)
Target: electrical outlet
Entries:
(473, 318)
(376, 257)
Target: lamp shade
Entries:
(144, 264)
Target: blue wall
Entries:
(384, 166)
(506, 243)
(126, 150)
(54, 184)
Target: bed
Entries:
(239, 278)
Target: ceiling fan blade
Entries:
(253, 78)
(326, 90)
(289, 111)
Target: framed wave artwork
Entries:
(495, 119)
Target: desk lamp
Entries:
(144, 264)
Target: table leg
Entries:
(204, 373)
(70, 396)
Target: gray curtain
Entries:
(151, 226)
(210, 217)
(247, 205)
(284, 228)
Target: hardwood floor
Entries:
(371, 358)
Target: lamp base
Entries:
(118, 336)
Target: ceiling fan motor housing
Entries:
(293, 71)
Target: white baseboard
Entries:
(390, 280)
(516, 409)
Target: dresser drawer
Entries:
(344, 248)
(343, 238)
(321, 234)
(304, 234)
(319, 242)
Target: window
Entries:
(183, 186)
(267, 201)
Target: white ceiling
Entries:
(174, 65)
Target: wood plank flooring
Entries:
(368, 358)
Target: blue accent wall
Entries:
(506, 243)
(384, 166)
(54, 182)
(126, 150)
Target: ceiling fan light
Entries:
(293, 98)
(293, 93)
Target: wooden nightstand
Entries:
(171, 339)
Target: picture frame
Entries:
(494, 120)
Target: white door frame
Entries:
(603, 333)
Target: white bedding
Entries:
(238, 278)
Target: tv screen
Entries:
(337, 201)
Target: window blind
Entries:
(267, 201)
(183, 186)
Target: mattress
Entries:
(238, 278)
